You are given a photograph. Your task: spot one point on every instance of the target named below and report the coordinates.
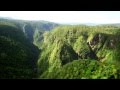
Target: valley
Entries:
(47, 50)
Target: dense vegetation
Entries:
(33, 30)
(83, 69)
(18, 56)
(46, 50)
(96, 49)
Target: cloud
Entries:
(66, 16)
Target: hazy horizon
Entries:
(66, 17)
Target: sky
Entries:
(66, 16)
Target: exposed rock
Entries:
(91, 54)
(67, 54)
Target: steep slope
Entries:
(65, 44)
(18, 56)
(66, 52)
(31, 28)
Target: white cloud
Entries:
(66, 16)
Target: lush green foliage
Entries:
(38, 38)
(33, 30)
(98, 44)
(67, 52)
(83, 69)
(18, 56)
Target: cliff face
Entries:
(31, 28)
(66, 52)
(65, 44)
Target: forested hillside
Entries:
(18, 56)
(18, 53)
(46, 50)
(33, 30)
(72, 52)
